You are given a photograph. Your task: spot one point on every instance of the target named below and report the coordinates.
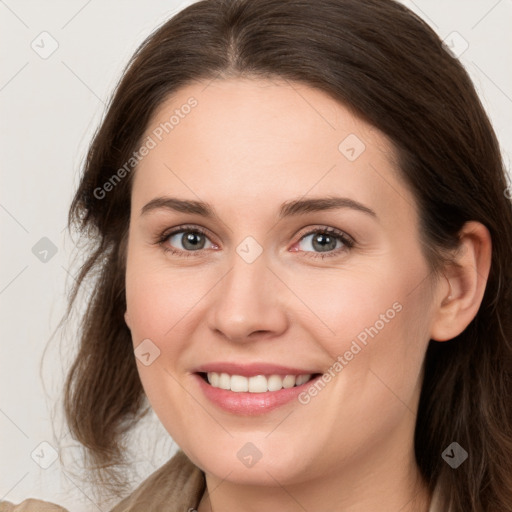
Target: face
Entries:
(277, 295)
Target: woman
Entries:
(302, 258)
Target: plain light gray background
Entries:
(50, 107)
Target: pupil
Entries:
(192, 241)
(324, 242)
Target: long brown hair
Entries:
(386, 64)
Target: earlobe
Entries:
(458, 304)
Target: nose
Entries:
(248, 303)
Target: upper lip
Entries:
(251, 369)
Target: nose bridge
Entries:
(247, 300)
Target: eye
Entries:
(317, 243)
(322, 242)
(184, 240)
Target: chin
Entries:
(258, 462)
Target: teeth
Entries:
(239, 383)
(224, 381)
(256, 384)
(274, 383)
(302, 379)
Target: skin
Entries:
(246, 148)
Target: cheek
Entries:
(158, 298)
(375, 364)
(160, 305)
(376, 321)
(344, 304)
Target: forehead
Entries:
(241, 140)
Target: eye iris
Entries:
(192, 240)
(324, 242)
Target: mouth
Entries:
(255, 393)
(255, 384)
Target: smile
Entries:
(252, 389)
(255, 384)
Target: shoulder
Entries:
(30, 506)
(177, 485)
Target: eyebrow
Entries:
(287, 209)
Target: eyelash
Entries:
(347, 241)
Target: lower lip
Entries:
(250, 404)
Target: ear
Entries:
(127, 319)
(457, 301)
